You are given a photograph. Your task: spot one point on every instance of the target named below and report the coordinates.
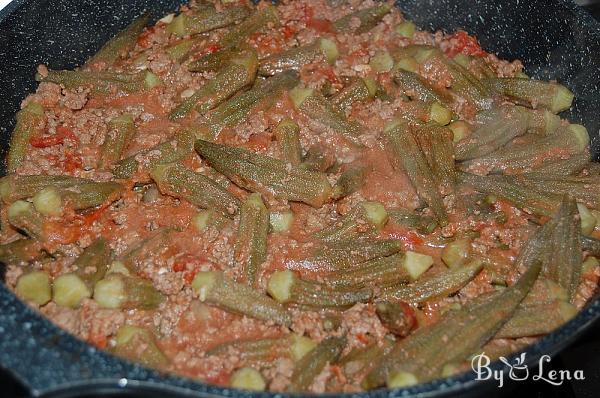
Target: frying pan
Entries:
(554, 38)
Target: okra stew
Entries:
(310, 197)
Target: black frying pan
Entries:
(554, 38)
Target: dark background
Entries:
(583, 355)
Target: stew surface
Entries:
(310, 197)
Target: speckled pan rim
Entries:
(18, 323)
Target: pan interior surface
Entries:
(554, 39)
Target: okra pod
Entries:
(422, 356)
(317, 108)
(572, 165)
(360, 89)
(396, 317)
(173, 150)
(85, 196)
(251, 243)
(14, 187)
(263, 351)
(240, 73)
(360, 361)
(287, 134)
(21, 251)
(139, 344)
(368, 17)
(553, 96)
(70, 289)
(120, 45)
(206, 20)
(342, 255)
(308, 368)
(296, 57)
(254, 23)
(537, 320)
(423, 224)
(366, 217)
(156, 243)
(380, 272)
(286, 287)
(126, 292)
(98, 82)
(526, 156)
(239, 107)
(35, 287)
(181, 51)
(501, 127)
(121, 131)
(584, 189)
(176, 180)
(217, 289)
(439, 285)
(564, 265)
(408, 156)
(435, 142)
(511, 189)
(350, 181)
(266, 175)
(30, 121)
(213, 62)
(416, 87)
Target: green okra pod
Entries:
(23, 216)
(360, 89)
(317, 108)
(340, 255)
(99, 82)
(366, 217)
(117, 290)
(251, 243)
(287, 134)
(68, 290)
(499, 128)
(206, 20)
(435, 142)
(308, 368)
(584, 189)
(409, 157)
(213, 62)
(172, 150)
(85, 196)
(286, 287)
(416, 87)
(156, 243)
(182, 50)
(139, 344)
(240, 73)
(121, 131)
(569, 141)
(176, 180)
(14, 187)
(217, 289)
(513, 190)
(564, 265)
(422, 356)
(350, 181)
(553, 96)
(120, 45)
(437, 286)
(239, 107)
(368, 17)
(572, 165)
(256, 22)
(263, 351)
(423, 224)
(380, 272)
(360, 361)
(21, 251)
(537, 320)
(296, 57)
(30, 121)
(266, 175)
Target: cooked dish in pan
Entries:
(310, 197)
